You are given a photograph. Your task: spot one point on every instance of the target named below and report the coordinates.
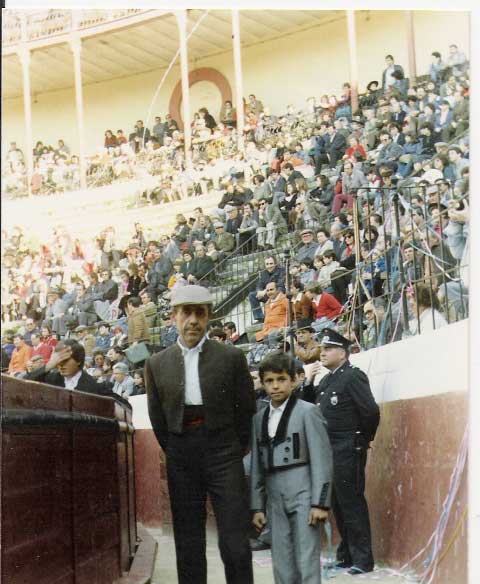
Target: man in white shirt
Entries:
(201, 401)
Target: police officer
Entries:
(352, 417)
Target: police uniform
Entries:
(352, 417)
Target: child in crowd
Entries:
(292, 467)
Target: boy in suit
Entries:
(292, 467)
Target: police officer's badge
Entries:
(334, 399)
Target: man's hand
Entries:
(259, 520)
(57, 357)
(313, 371)
(316, 515)
(261, 294)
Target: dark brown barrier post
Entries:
(68, 511)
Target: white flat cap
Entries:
(191, 295)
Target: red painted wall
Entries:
(408, 476)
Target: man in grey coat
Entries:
(271, 224)
(291, 465)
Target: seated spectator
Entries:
(330, 265)
(225, 242)
(86, 339)
(228, 114)
(201, 270)
(20, 356)
(272, 273)
(124, 383)
(247, 230)
(31, 328)
(354, 146)
(412, 150)
(232, 335)
(271, 225)
(335, 145)
(307, 349)
(181, 231)
(323, 242)
(138, 383)
(307, 250)
(47, 337)
(425, 307)
(234, 220)
(276, 312)
(322, 192)
(325, 307)
(379, 329)
(352, 180)
(443, 130)
(103, 337)
(168, 332)
(389, 153)
(217, 334)
(159, 273)
(399, 87)
(55, 311)
(306, 272)
(110, 140)
(301, 304)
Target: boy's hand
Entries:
(316, 515)
(259, 520)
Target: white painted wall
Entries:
(429, 364)
(287, 70)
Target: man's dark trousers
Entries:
(200, 462)
(349, 504)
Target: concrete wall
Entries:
(421, 385)
(282, 71)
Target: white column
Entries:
(237, 59)
(24, 55)
(76, 46)
(187, 118)
(412, 64)
(352, 47)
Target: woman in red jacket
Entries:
(325, 306)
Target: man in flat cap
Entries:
(308, 247)
(201, 402)
(352, 417)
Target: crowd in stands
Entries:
(398, 268)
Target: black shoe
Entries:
(343, 564)
(355, 571)
(257, 545)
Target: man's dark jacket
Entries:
(86, 382)
(226, 386)
(277, 276)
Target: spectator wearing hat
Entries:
(276, 312)
(234, 220)
(201, 402)
(271, 224)
(371, 96)
(138, 330)
(86, 339)
(225, 242)
(124, 383)
(307, 250)
(20, 356)
(352, 416)
(307, 349)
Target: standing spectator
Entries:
(20, 356)
(437, 68)
(138, 330)
(254, 105)
(159, 130)
(228, 115)
(387, 75)
(351, 427)
(456, 60)
(204, 436)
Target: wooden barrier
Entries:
(68, 486)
